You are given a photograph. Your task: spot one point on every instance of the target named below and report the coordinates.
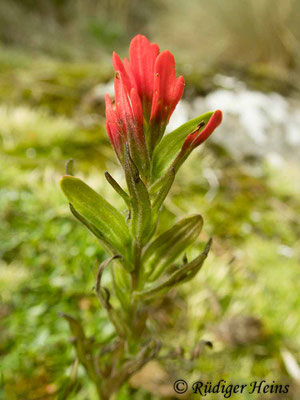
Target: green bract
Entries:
(97, 211)
(169, 245)
(140, 201)
(181, 275)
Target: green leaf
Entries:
(169, 245)
(170, 145)
(140, 201)
(162, 194)
(117, 188)
(125, 262)
(182, 275)
(98, 212)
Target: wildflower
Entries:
(146, 94)
(146, 90)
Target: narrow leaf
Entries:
(98, 212)
(169, 245)
(140, 200)
(117, 188)
(171, 144)
(182, 275)
(101, 269)
(162, 194)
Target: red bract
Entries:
(124, 123)
(146, 94)
(138, 71)
(142, 55)
(195, 138)
(152, 76)
(167, 92)
(114, 128)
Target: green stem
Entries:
(135, 283)
(137, 251)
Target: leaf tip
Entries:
(69, 167)
(197, 219)
(67, 178)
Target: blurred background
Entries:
(241, 56)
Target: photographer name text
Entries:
(228, 389)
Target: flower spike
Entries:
(152, 75)
(146, 94)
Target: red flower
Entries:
(146, 94)
(195, 138)
(153, 77)
(124, 124)
(139, 71)
(114, 128)
(167, 92)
